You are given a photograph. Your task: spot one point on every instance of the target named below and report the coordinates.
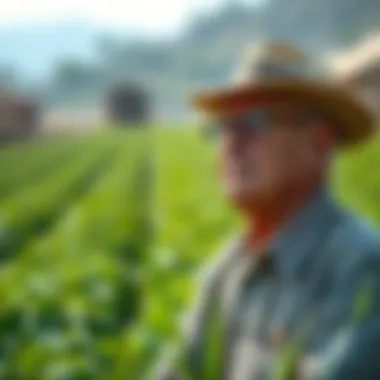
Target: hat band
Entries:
(274, 70)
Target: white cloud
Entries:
(150, 15)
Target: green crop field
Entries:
(100, 241)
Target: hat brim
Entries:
(353, 122)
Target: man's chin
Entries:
(247, 199)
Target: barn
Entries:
(19, 117)
(359, 69)
(128, 104)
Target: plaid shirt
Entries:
(310, 310)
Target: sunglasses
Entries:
(259, 121)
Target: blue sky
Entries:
(145, 16)
(35, 34)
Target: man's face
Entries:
(270, 150)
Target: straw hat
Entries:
(277, 70)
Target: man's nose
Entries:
(235, 142)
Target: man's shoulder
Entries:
(355, 299)
(356, 233)
(355, 244)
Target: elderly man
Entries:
(296, 296)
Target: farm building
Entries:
(359, 68)
(19, 117)
(128, 104)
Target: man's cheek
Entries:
(261, 169)
(266, 159)
(258, 157)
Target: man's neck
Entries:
(266, 220)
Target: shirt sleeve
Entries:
(358, 342)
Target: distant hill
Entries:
(203, 55)
(207, 52)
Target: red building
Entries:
(19, 117)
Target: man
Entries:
(297, 295)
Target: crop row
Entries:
(72, 292)
(35, 167)
(33, 208)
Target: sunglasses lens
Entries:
(251, 123)
(254, 122)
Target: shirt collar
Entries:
(296, 244)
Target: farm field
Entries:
(101, 238)
(72, 238)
